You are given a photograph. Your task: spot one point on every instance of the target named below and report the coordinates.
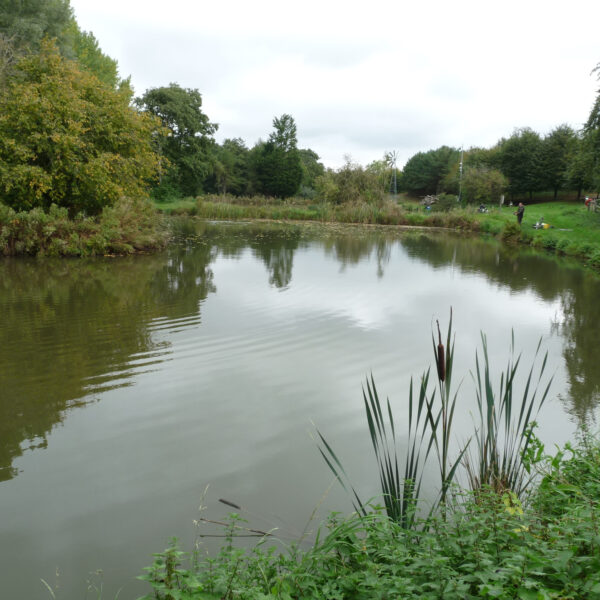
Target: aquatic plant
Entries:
(505, 431)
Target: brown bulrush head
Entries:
(441, 362)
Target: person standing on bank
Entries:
(520, 212)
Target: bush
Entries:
(446, 202)
(511, 232)
(128, 226)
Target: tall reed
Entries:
(504, 434)
(506, 424)
(429, 427)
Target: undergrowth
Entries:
(131, 225)
(489, 545)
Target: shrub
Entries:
(511, 232)
(121, 229)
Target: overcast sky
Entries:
(363, 78)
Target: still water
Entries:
(129, 385)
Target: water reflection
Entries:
(575, 288)
(73, 329)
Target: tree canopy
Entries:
(189, 143)
(277, 163)
(424, 172)
(68, 139)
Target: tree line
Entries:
(520, 165)
(72, 134)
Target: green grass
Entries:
(487, 546)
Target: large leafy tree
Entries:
(68, 139)
(556, 152)
(277, 163)
(25, 23)
(482, 184)
(520, 159)
(230, 167)
(425, 171)
(590, 147)
(189, 146)
(311, 167)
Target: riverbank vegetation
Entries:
(500, 536)
(487, 546)
(73, 136)
(572, 229)
(76, 159)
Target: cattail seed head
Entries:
(441, 360)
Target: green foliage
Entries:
(520, 159)
(67, 139)
(556, 153)
(570, 478)
(483, 185)
(188, 145)
(311, 168)
(425, 171)
(231, 167)
(28, 22)
(505, 429)
(445, 203)
(488, 545)
(91, 57)
(590, 148)
(351, 184)
(277, 163)
(129, 226)
(429, 427)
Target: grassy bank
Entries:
(487, 546)
(129, 226)
(574, 232)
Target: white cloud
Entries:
(362, 79)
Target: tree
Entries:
(29, 22)
(311, 169)
(520, 160)
(581, 165)
(90, 56)
(555, 155)
(68, 139)
(230, 167)
(189, 145)
(277, 164)
(482, 184)
(591, 139)
(351, 183)
(425, 171)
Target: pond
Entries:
(129, 385)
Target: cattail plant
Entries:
(441, 420)
(506, 424)
(502, 435)
(429, 427)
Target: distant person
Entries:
(520, 212)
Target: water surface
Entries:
(127, 385)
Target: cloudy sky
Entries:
(363, 78)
